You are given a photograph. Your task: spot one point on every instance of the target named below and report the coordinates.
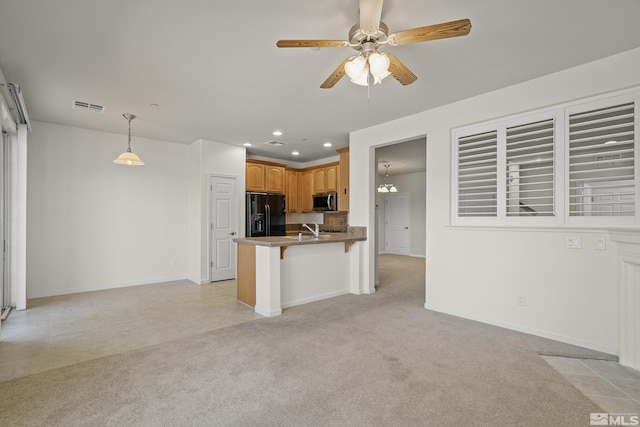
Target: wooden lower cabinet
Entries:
(247, 274)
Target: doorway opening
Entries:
(400, 216)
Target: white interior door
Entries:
(224, 227)
(396, 223)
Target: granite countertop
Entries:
(353, 234)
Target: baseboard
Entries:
(266, 313)
(526, 330)
(316, 298)
(417, 256)
(68, 291)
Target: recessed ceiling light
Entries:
(155, 105)
(247, 144)
(295, 153)
(327, 144)
(277, 133)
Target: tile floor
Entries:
(63, 330)
(613, 387)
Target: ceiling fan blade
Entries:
(370, 14)
(312, 43)
(431, 32)
(400, 72)
(335, 76)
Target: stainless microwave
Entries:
(325, 202)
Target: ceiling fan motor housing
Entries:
(361, 41)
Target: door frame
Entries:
(210, 216)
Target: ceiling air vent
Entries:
(81, 105)
(275, 143)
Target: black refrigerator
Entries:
(265, 215)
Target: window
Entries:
(601, 162)
(530, 169)
(573, 164)
(477, 175)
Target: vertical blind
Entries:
(530, 169)
(478, 175)
(601, 162)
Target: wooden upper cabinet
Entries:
(265, 177)
(254, 177)
(293, 191)
(343, 189)
(307, 191)
(274, 179)
(318, 181)
(331, 179)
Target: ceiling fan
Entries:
(370, 34)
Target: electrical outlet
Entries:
(601, 243)
(574, 242)
(173, 263)
(521, 300)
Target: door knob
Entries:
(406, 228)
(233, 233)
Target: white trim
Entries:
(267, 313)
(524, 329)
(108, 286)
(315, 298)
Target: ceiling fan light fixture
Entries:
(355, 67)
(379, 63)
(363, 78)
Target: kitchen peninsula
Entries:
(277, 272)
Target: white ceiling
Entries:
(215, 72)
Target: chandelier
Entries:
(387, 187)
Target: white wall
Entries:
(416, 185)
(571, 294)
(206, 158)
(92, 224)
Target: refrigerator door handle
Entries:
(267, 210)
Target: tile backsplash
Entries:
(333, 221)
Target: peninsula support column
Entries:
(267, 281)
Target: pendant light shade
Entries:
(129, 158)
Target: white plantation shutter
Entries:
(601, 161)
(574, 164)
(477, 175)
(530, 169)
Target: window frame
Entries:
(560, 115)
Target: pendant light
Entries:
(386, 187)
(128, 157)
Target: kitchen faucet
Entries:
(316, 233)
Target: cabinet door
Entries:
(254, 177)
(318, 181)
(343, 193)
(275, 179)
(331, 179)
(307, 191)
(292, 198)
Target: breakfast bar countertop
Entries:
(353, 234)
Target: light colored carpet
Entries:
(376, 360)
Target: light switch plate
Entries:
(601, 243)
(574, 242)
